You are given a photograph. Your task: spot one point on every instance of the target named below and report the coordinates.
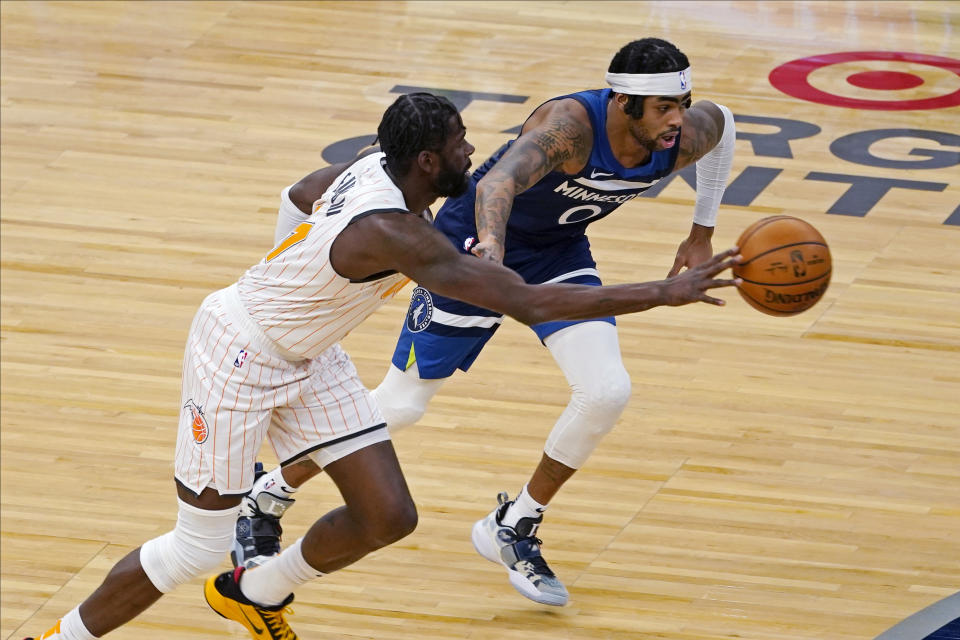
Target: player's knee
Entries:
(603, 398)
(403, 519)
(403, 396)
(401, 414)
(393, 521)
(196, 546)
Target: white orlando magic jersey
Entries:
(294, 294)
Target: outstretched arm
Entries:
(410, 245)
(558, 135)
(708, 139)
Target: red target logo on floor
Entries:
(881, 80)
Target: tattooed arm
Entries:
(707, 129)
(557, 137)
(702, 129)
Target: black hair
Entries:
(415, 122)
(648, 55)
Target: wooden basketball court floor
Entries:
(772, 479)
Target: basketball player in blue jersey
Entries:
(577, 159)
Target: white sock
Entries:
(72, 628)
(523, 507)
(271, 583)
(274, 483)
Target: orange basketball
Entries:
(786, 265)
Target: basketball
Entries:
(786, 265)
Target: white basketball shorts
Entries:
(239, 388)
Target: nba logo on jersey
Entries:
(421, 310)
(240, 358)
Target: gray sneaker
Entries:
(256, 537)
(518, 550)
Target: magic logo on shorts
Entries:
(421, 310)
(199, 426)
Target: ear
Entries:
(621, 100)
(427, 161)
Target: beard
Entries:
(651, 144)
(452, 183)
(648, 143)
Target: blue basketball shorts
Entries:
(443, 334)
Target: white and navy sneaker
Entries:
(256, 538)
(518, 549)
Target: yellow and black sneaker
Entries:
(264, 623)
(53, 632)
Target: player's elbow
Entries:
(531, 309)
(529, 317)
(717, 115)
(497, 181)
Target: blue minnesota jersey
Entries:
(546, 242)
(560, 206)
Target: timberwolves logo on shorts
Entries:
(421, 310)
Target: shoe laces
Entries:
(277, 624)
(540, 566)
(536, 560)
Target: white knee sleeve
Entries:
(195, 547)
(589, 356)
(403, 396)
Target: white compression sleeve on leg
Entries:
(196, 545)
(403, 396)
(589, 356)
(713, 169)
(288, 217)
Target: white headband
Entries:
(673, 83)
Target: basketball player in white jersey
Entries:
(578, 158)
(263, 361)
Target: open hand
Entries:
(692, 251)
(692, 285)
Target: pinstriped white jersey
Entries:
(294, 294)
